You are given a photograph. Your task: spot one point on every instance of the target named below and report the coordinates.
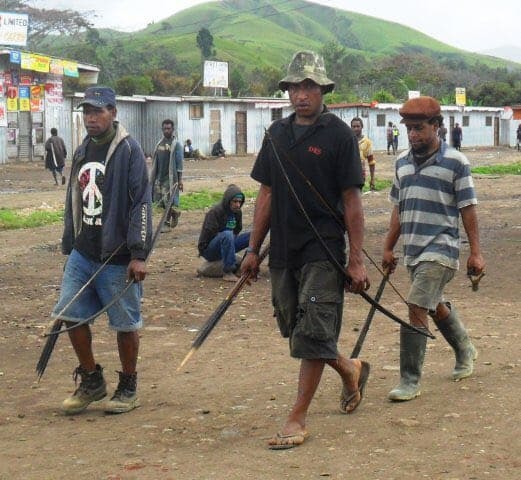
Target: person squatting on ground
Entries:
(55, 155)
(432, 187)
(218, 149)
(307, 291)
(366, 150)
(220, 237)
(167, 171)
(191, 152)
(107, 212)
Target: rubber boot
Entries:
(412, 355)
(457, 337)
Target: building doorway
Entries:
(215, 127)
(241, 133)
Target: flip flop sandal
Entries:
(298, 439)
(345, 399)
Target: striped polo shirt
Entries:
(429, 197)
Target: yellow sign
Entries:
(25, 62)
(39, 63)
(461, 98)
(12, 104)
(12, 98)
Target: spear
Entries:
(369, 319)
(220, 310)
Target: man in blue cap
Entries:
(107, 219)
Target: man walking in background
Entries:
(167, 172)
(457, 136)
(55, 155)
(366, 150)
(389, 135)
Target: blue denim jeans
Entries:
(124, 315)
(224, 246)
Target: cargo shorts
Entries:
(428, 282)
(308, 304)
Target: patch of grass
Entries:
(12, 219)
(205, 199)
(378, 185)
(512, 169)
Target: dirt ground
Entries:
(212, 419)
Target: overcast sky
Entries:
(467, 24)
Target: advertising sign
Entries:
(215, 74)
(461, 98)
(13, 28)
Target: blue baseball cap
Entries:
(99, 97)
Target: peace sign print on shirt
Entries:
(90, 177)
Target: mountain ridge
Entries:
(258, 38)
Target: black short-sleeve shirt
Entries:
(327, 154)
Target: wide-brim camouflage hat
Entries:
(307, 65)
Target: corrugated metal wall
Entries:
(154, 114)
(142, 117)
(59, 117)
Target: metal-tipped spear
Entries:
(219, 311)
(56, 328)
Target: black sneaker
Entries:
(174, 220)
(125, 397)
(92, 388)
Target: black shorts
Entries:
(308, 305)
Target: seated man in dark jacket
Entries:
(220, 236)
(218, 149)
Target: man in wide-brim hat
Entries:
(307, 291)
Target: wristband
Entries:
(251, 250)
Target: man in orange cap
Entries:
(432, 187)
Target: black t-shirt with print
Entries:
(327, 154)
(91, 176)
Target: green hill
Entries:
(257, 38)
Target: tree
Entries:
(238, 85)
(164, 83)
(134, 84)
(205, 43)
(44, 22)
